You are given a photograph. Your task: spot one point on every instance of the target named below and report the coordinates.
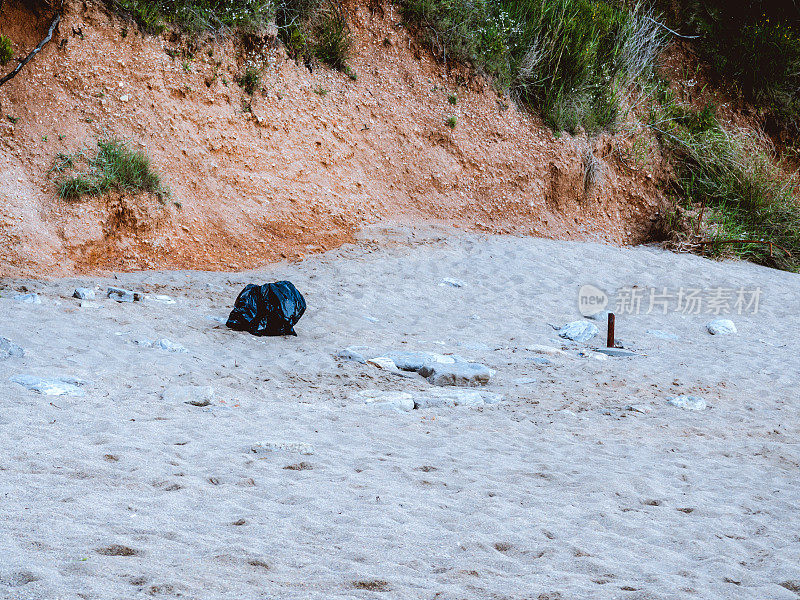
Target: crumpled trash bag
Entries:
(269, 309)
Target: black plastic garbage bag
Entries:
(269, 309)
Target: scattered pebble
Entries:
(168, 345)
(28, 298)
(393, 400)
(56, 386)
(83, 293)
(452, 282)
(382, 362)
(121, 295)
(579, 331)
(457, 373)
(616, 352)
(9, 349)
(721, 327)
(268, 447)
(688, 402)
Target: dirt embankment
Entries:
(296, 168)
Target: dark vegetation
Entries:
(114, 165)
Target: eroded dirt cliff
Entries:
(298, 167)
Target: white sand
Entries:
(557, 492)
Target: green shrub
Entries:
(734, 179)
(115, 165)
(332, 35)
(250, 80)
(452, 122)
(6, 51)
(198, 15)
(755, 43)
(569, 59)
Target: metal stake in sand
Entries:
(610, 338)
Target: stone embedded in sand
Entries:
(540, 360)
(163, 299)
(269, 447)
(601, 316)
(28, 298)
(196, 395)
(121, 295)
(392, 400)
(351, 354)
(83, 293)
(688, 402)
(436, 398)
(452, 282)
(414, 361)
(9, 349)
(579, 331)
(168, 345)
(721, 327)
(382, 362)
(548, 350)
(462, 374)
(639, 408)
(56, 386)
(616, 352)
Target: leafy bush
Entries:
(569, 59)
(198, 15)
(115, 165)
(333, 41)
(733, 177)
(6, 51)
(250, 80)
(315, 28)
(756, 43)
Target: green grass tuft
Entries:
(250, 80)
(114, 166)
(6, 50)
(196, 16)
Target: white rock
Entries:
(415, 360)
(168, 345)
(579, 331)
(125, 98)
(28, 298)
(452, 282)
(83, 293)
(163, 299)
(382, 362)
(269, 447)
(639, 408)
(56, 386)
(721, 327)
(435, 398)
(394, 400)
(217, 319)
(688, 402)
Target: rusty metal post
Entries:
(611, 323)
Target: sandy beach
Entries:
(582, 482)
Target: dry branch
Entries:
(34, 52)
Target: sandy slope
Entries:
(557, 492)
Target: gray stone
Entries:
(437, 398)
(452, 282)
(601, 316)
(217, 319)
(9, 349)
(168, 345)
(196, 395)
(28, 298)
(55, 386)
(351, 354)
(616, 352)
(269, 447)
(638, 408)
(121, 295)
(83, 293)
(721, 327)
(688, 402)
(662, 334)
(390, 400)
(579, 331)
(414, 360)
(457, 374)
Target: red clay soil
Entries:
(298, 168)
